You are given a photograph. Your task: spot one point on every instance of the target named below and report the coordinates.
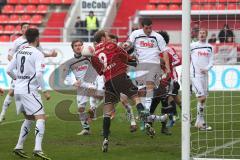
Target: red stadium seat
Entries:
(177, 1)
(45, 1)
(13, 37)
(235, 1)
(165, 1)
(34, 1)
(18, 29)
(154, 1)
(222, 1)
(9, 29)
(174, 7)
(42, 9)
(57, 2)
(12, 1)
(24, 1)
(36, 19)
(1, 29)
(208, 7)
(150, 7)
(31, 9)
(220, 7)
(212, 1)
(8, 9)
(196, 7)
(67, 2)
(162, 7)
(4, 38)
(4, 19)
(231, 6)
(26, 18)
(19, 9)
(13, 18)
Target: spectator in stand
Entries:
(226, 35)
(2, 3)
(92, 23)
(80, 26)
(194, 32)
(213, 38)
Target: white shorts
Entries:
(200, 86)
(31, 104)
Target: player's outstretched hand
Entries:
(53, 53)
(47, 95)
(1, 91)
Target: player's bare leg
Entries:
(6, 104)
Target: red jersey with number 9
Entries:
(110, 60)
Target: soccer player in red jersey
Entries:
(111, 61)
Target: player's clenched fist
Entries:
(47, 95)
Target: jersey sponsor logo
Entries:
(80, 68)
(146, 44)
(25, 53)
(42, 66)
(203, 53)
(23, 77)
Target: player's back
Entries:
(113, 59)
(26, 59)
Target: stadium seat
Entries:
(30, 9)
(220, 7)
(154, 1)
(208, 7)
(174, 7)
(231, 6)
(7, 9)
(166, 1)
(222, 1)
(13, 18)
(18, 29)
(4, 38)
(36, 19)
(24, 1)
(12, 1)
(196, 7)
(150, 7)
(35, 2)
(57, 2)
(42, 9)
(13, 37)
(162, 7)
(67, 2)
(19, 9)
(1, 29)
(4, 19)
(235, 1)
(177, 1)
(45, 1)
(26, 18)
(9, 29)
(212, 1)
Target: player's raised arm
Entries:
(10, 69)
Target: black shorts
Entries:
(117, 85)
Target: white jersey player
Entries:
(85, 76)
(147, 46)
(201, 63)
(29, 65)
(18, 44)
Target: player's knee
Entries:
(81, 109)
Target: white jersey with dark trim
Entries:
(147, 48)
(201, 58)
(29, 62)
(18, 44)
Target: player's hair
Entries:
(98, 36)
(146, 22)
(32, 34)
(75, 41)
(165, 36)
(113, 36)
(24, 24)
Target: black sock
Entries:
(140, 107)
(164, 124)
(174, 108)
(106, 127)
(155, 102)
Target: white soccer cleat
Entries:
(84, 132)
(203, 126)
(105, 145)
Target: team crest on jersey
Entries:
(42, 65)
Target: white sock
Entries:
(153, 118)
(200, 111)
(148, 99)
(39, 132)
(131, 114)
(83, 116)
(25, 129)
(6, 104)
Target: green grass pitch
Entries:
(61, 142)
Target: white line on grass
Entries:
(217, 148)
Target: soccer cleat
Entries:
(205, 127)
(91, 113)
(133, 128)
(105, 145)
(20, 153)
(166, 131)
(142, 125)
(41, 155)
(149, 130)
(84, 132)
